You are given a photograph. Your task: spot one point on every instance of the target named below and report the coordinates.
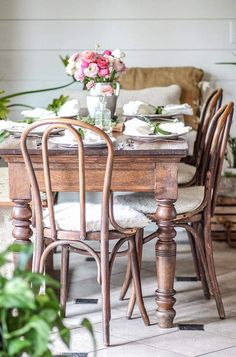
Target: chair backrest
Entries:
(217, 162)
(214, 151)
(72, 125)
(210, 107)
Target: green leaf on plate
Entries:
(159, 131)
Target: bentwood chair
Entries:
(195, 204)
(189, 170)
(74, 225)
(191, 164)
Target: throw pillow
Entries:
(154, 96)
(187, 78)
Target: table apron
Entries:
(140, 176)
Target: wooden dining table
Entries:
(138, 166)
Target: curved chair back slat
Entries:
(72, 125)
(210, 107)
(209, 136)
(220, 155)
(214, 151)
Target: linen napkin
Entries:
(138, 108)
(179, 109)
(136, 126)
(175, 127)
(6, 124)
(89, 137)
(69, 109)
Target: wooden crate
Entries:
(224, 219)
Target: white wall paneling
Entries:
(153, 33)
(126, 34)
(46, 65)
(113, 9)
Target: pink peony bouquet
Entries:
(91, 67)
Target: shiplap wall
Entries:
(152, 33)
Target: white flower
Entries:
(111, 59)
(70, 68)
(118, 53)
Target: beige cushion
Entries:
(189, 198)
(67, 216)
(191, 137)
(154, 96)
(187, 78)
(185, 172)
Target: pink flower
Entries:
(107, 52)
(91, 71)
(84, 64)
(88, 56)
(90, 85)
(107, 90)
(103, 72)
(74, 57)
(102, 62)
(119, 66)
(90, 67)
(79, 75)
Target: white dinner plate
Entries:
(66, 142)
(150, 138)
(19, 128)
(153, 116)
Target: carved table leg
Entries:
(165, 263)
(21, 215)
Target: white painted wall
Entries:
(152, 33)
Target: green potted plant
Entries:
(26, 316)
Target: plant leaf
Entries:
(15, 346)
(4, 111)
(25, 255)
(64, 60)
(87, 324)
(57, 103)
(159, 109)
(4, 135)
(17, 294)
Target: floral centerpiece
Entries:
(99, 73)
(91, 67)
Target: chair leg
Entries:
(201, 256)
(64, 277)
(49, 265)
(211, 267)
(194, 255)
(105, 286)
(200, 273)
(128, 274)
(203, 278)
(136, 282)
(127, 280)
(139, 249)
